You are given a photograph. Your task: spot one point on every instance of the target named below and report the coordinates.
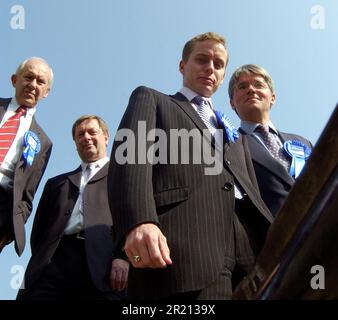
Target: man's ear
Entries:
(272, 100)
(181, 66)
(13, 79)
(232, 105)
(46, 94)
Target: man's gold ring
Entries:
(136, 258)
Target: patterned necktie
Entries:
(8, 132)
(205, 112)
(272, 145)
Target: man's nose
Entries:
(32, 83)
(251, 88)
(210, 66)
(87, 136)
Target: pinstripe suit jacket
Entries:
(273, 180)
(194, 211)
(26, 182)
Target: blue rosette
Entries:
(299, 152)
(231, 132)
(32, 146)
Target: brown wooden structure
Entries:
(304, 234)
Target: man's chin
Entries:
(29, 103)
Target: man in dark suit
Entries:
(177, 221)
(25, 154)
(252, 95)
(71, 241)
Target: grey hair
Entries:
(250, 69)
(23, 63)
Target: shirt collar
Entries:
(190, 94)
(249, 127)
(96, 164)
(14, 105)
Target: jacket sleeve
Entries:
(130, 187)
(25, 206)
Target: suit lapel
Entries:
(75, 177)
(34, 127)
(260, 155)
(285, 136)
(103, 172)
(185, 105)
(3, 107)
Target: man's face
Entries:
(252, 98)
(31, 83)
(205, 69)
(91, 142)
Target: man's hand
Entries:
(147, 242)
(119, 274)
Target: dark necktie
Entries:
(8, 132)
(273, 146)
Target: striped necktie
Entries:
(8, 132)
(205, 112)
(272, 145)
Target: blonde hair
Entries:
(189, 46)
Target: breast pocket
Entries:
(171, 197)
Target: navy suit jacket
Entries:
(274, 181)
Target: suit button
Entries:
(68, 212)
(228, 162)
(228, 186)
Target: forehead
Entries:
(36, 67)
(88, 124)
(247, 77)
(209, 47)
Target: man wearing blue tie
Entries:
(278, 157)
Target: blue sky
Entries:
(100, 50)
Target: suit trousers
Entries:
(244, 249)
(67, 277)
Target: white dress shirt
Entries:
(249, 128)
(15, 151)
(76, 220)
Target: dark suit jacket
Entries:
(273, 180)
(194, 211)
(54, 210)
(26, 182)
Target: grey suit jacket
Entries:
(26, 182)
(54, 210)
(274, 181)
(195, 211)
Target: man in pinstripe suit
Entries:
(189, 234)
